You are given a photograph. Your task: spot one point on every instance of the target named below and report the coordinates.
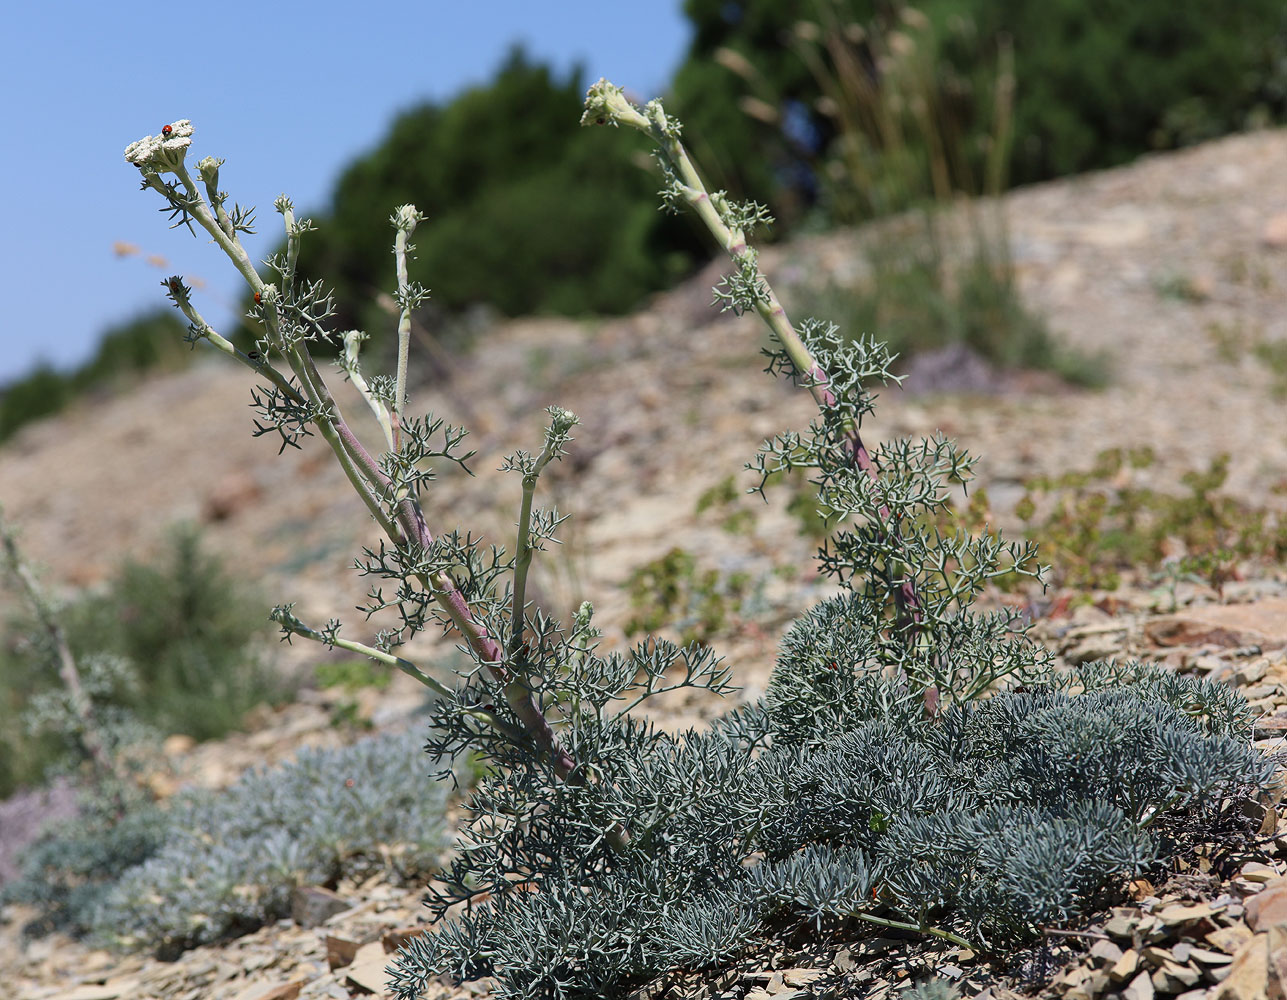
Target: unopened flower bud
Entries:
(208, 168)
(406, 218)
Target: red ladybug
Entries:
(167, 129)
(258, 298)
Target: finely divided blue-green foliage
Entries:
(231, 858)
(215, 863)
(65, 873)
(996, 818)
(914, 765)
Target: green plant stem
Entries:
(407, 526)
(389, 659)
(212, 193)
(258, 366)
(523, 550)
(330, 421)
(917, 928)
(289, 621)
(405, 222)
(352, 342)
(229, 244)
(292, 248)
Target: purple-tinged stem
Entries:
(608, 103)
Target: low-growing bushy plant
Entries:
(914, 766)
(66, 872)
(209, 864)
(173, 645)
(671, 591)
(344, 679)
(980, 826)
(1096, 525)
(61, 715)
(194, 633)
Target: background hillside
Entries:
(1072, 229)
(671, 402)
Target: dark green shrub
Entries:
(189, 628)
(42, 392)
(503, 187)
(167, 647)
(1101, 83)
(127, 350)
(1096, 84)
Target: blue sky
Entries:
(287, 93)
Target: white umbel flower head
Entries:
(164, 152)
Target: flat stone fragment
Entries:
(1121, 926)
(1105, 953)
(340, 951)
(1125, 967)
(1171, 977)
(311, 905)
(1248, 977)
(1090, 987)
(1140, 988)
(1263, 623)
(1277, 947)
(90, 991)
(1269, 907)
(399, 936)
(1207, 957)
(271, 991)
(326, 989)
(371, 976)
(1272, 727)
(1257, 872)
(1071, 977)
(1178, 914)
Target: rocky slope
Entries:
(1174, 267)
